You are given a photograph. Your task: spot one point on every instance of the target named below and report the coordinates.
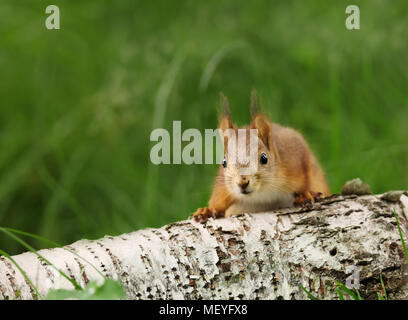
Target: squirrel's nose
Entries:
(243, 184)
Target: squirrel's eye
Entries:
(263, 159)
(224, 163)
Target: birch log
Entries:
(252, 256)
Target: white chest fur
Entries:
(261, 202)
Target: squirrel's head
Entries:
(249, 154)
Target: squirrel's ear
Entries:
(260, 122)
(225, 120)
(264, 127)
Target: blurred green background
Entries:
(78, 104)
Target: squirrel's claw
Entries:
(202, 214)
(306, 198)
(317, 196)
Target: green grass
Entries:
(384, 295)
(311, 296)
(78, 104)
(108, 290)
(342, 289)
(404, 247)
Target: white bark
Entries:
(252, 256)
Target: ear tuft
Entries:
(225, 105)
(225, 120)
(255, 109)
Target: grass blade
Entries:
(311, 296)
(340, 294)
(383, 287)
(55, 244)
(348, 291)
(358, 295)
(27, 246)
(400, 233)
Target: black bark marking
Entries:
(223, 263)
(46, 267)
(92, 252)
(176, 224)
(2, 291)
(116, 262)
(158, 234)
(82, 271)
(69, 271)
(103, 267)
(348, 212)
(10, 275)
(312, 221)
(145, 258)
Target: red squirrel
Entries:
(287, 171)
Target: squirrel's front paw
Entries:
(306, 198)
(202, 214)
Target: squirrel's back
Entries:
(299, 165)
